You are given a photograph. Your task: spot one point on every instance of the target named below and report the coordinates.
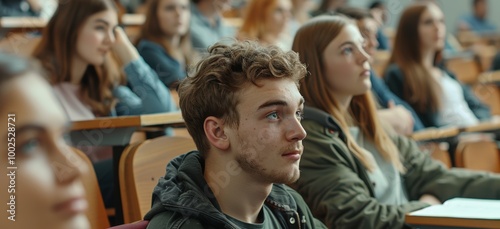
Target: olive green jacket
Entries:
(338, 190)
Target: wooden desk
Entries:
(424, 222)
(435, 134)
(458, 213)
(490, 77)
(20, 23)
(444, 133)
(163, 119)
(133, 19)
(117, 132)
(484, 127)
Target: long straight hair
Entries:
(151, 30)
(362, 110)
(57, 49)
(421, 91)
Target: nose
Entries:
(374, 42)
(363, 56)
(111, 38)
(178, 11)
(288, 15)
(295, 131)
(66, 164)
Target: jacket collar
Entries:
(324, 119)
(185, 191)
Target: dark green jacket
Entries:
(182, 199)
(337, 188)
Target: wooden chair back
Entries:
(96, 212)
(479, 155)
(140, 168)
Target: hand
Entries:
(430, 199)
(123, 48)
(398, 117)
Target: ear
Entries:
(214, 130)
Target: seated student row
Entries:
(306, 154)
(224, 145)
(75, 49)
(416, 73)
(354, 174)
(62, 210)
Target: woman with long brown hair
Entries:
(76, 48)
(164, 42)
(416, 75)
(354, 173)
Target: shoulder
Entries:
(393, 69)
(466, 18)
(145, 44)
(407, 147)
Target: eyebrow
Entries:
(352, 42)
(278, 103)
(347, 43)
(30, 127)
(102, 21)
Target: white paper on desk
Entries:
(463, 208)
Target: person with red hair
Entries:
(266, 21)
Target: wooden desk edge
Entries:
(107, 123)
(483, 127)
(39, 23)
(173, 118)
(451, 222)
(435, 134)
(22, 22)
(490, 77)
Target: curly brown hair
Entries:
(213, 89)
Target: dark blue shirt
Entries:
(384, 95)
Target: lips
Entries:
(103, 51)
(292, 155)
(365, 73)
(71, 206)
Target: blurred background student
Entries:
(75, 50)
(164, 42)
(267, 21)
(415, 72)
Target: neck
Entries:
(343, 101)
(479, 16)
(238, 194)
(173, 41)
(78, 68)
(428, 58)
(270, 38)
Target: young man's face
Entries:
(267, 144)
